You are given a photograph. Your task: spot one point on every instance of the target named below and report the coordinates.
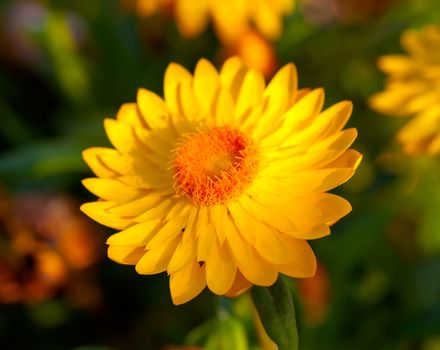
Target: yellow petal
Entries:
(158, 142)
(115, 161)
(338, 142)
(137, 235)
(349, 159)
(142, 173)
(419, 103)
(122, 137)
(232, 75)
(268, 22)
(305, 182)
(309, 230)
(283, 87)
(395, 63)
(243, 221)
(129, 114)
(125, 255)
(98, 212)
(304, 260)
(230, 19)
(332, 207)
(327, 123)
(191, 16)
(239, 286)
(174, 76)
(218, 214)
(223, 108)
(153, 109)
(323, 180)
(206, 83)
(188, 105)
(110, 189)
(251, 265)
(298, 116)
(206, 235)
(305, 110)
(158, 211)
(302, 92)
(312, 159)
(156, 260)
(391, 102)
(138, 206)
(186, 249)
(264, 238)
(220, 270)
(92, 156)
(187, 283)
(180, 208)
(251, 92)
(317, 156)
(268, 213)
(279, 95)
(172, 229)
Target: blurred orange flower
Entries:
(44, 244)
(315, 295)
(256, 52)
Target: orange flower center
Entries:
(214, 166)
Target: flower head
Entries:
(222, 182)
(231, 18)
(413, 87)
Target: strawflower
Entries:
(231, 18)
(413, 88)
(222, 182)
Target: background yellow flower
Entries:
(421, 135)
(413, 87)
(222, 183)
(231, 18)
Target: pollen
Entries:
(214, 166)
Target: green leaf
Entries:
(277, 313)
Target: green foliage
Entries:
(277, 313)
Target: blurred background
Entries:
(66, 65)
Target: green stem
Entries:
(277, 313)
(224, 307)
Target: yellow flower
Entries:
(222, 183)
(413, 79)
(421, 135)
(231, 18)
(413, 87)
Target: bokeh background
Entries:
(66, 65)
